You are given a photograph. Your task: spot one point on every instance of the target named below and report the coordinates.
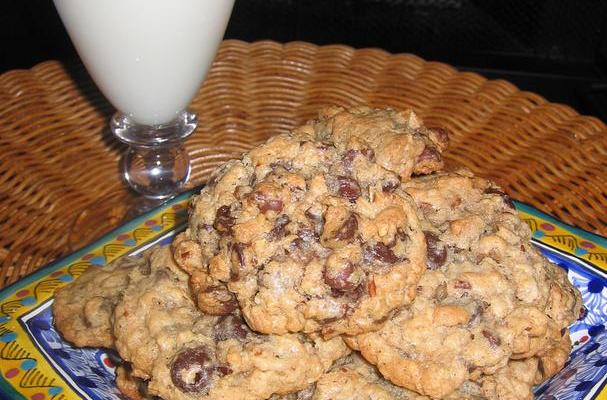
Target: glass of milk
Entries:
(149, 57)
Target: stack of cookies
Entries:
(335, 262)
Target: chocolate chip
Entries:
(369, 153)
(341, 278)
(436, 251)
(429, 154)
(279, 229)
(459, 284)
(224, 221)
(287, 165)
(401, 234)
(192, 370)
(347, 230)
(348, 159)
(238, 259)
(494, 340)
(266, 204)
(230, 327)
(350, 155)
(352, 295)
(563, 331)
(492, 190)
(507, 200)
(381, 253)
(348, 188)
(223, 369)
(442, 134)
(218, 300)
(205, 227)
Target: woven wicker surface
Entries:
(59, 163)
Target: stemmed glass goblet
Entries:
(149, 58)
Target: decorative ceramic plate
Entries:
(36, 364)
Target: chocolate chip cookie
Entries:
(352, 378)
(487, 296)
(82, 310)
(398, 139)
(311, 231)
(185, 354)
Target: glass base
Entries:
(156, 172)
(156, 165)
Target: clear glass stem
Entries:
(156, 164)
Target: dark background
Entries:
(557, 48)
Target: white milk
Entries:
(148, 57)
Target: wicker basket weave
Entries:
(59, 163)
